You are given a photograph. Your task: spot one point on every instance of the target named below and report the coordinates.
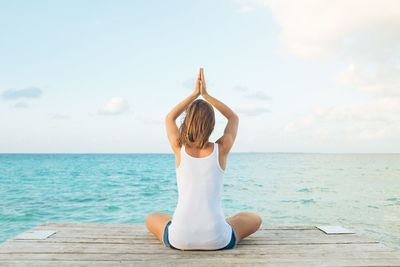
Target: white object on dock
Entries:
(36, 234)
(334, 229)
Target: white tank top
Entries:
(198, 221)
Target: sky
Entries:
(313, 76)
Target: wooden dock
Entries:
(84, 244)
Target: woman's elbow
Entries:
(169, 117)
(234, 116)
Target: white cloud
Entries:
(116, 105)
(369, 131)
(374, 120)
(363, 34)
(323, 28)
(322, 134)
(31, 92)
(366, 34)
(382, 110)
(244, 9)
(59, 117)
(257, 95)
(240, 88)
(21, 105)
(251, 109)
(382, 82)
(260, 95)
(303, 123)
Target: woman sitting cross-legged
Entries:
(198, 222)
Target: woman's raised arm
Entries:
(170, 119)
(232, 126)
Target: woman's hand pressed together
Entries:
(203, 87)
(197, 89)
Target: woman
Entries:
(198, 221)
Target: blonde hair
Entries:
(197, 125)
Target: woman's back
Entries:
(198, 221)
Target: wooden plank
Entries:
(237, 262)
(144, 231)
(159, 248)
(129, 248)
(294, 258)
(92, 225)
(270, 235)
(244, 242)
(77, 244)
(142, 226)
(267, 237)
(255, 239)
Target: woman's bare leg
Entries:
(156, 222)
(244, 224)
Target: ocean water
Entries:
(360, 192)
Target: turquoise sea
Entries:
(360, 192)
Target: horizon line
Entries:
(171, 153)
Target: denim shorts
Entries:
(232, 244)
